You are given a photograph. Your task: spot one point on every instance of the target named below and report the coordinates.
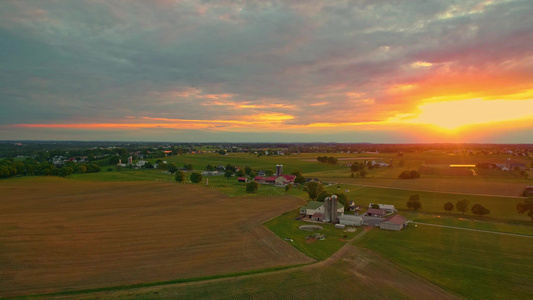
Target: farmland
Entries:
(358, 274)
(60, 235)
(475, 265)
(126, 228)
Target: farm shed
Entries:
(242, 179)
(351, 220)
(395, 222)
(376, 212)
(317, 217)
(386, 207)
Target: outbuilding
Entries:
(395, 222)
(350, 220)
(376, 212)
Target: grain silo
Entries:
(327, 210)
(279, 170)
(333, 201)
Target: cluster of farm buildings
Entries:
(332, 211)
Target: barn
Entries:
(395, 222)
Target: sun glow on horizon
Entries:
(451, 115)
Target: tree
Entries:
(297, 173)
(480, 210)
(313, 188)
(172, 168)
(363, 173)
(526, 207)
(247, 170)
(288, 187)
(221, 152)
(355, 166)
(252, 186)
(322, 196)
(342, 199)
(299, 180)
(414, 202)
(462, 205)
(228, 173)
(209, 167)
(196, 177)
(189, 167)
(448, 206)
(409, 174)
(269, 172)
(240, 173)
(180, 176)
(375, 205)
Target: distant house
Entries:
(261, 173)
(353, 207)
(284, 180)
(389, 209)
(318, 207)
(242, 179)
(376, 212)
(351, 220)
(395, 222)
(141, 163)
(212, 173)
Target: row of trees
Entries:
(30, 167)
(327, 160)
(462, 206)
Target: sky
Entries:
(414, 71)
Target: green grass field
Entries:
(502, 208)
(285, 226)
(474, 265)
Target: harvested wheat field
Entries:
(58, 235)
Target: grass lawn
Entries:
(472, 264)
(285, 226)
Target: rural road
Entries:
(432, 191)
(478, 230)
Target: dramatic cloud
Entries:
(266, 70)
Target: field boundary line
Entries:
(472, 229)
(432, 191)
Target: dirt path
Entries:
(478, 230)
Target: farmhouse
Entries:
(395, 222)
(376, 212)
(317, 210)
(351, 220)
(242, 179)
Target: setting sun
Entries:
(454, 114)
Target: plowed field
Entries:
(59, 235)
